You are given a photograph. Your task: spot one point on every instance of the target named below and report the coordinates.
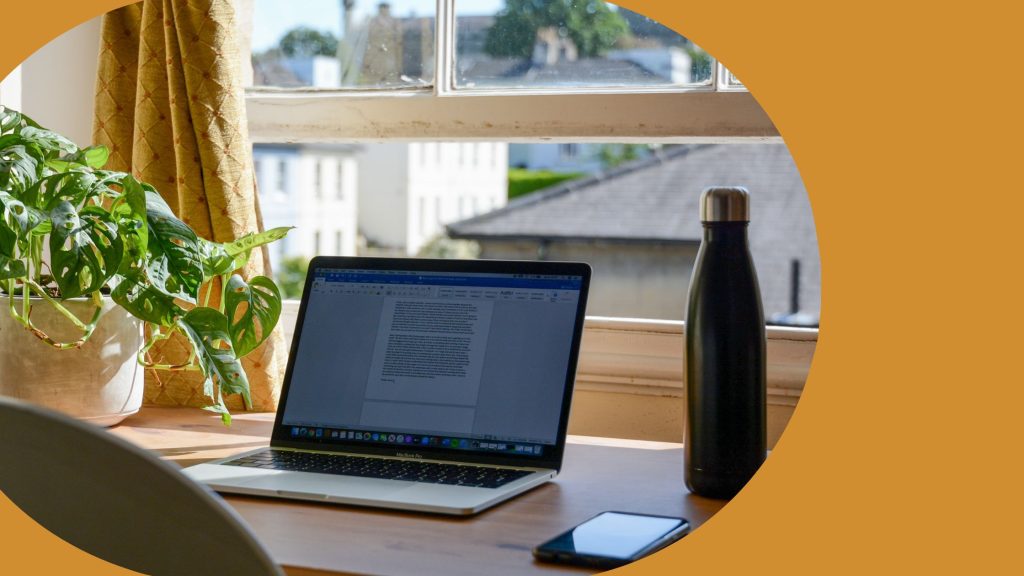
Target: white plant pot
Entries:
(101, 382)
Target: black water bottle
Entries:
(725, 439)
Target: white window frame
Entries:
(716, 112)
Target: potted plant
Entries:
(91, 247)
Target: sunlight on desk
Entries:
(598, 474)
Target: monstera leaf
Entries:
(18, 215)
(246, 243)
(220, 259)
(11, 268)
(17, 166)
(9, 119)
(130, 211)
(207, 329)
(74, 187)
(174, 266)
(216, 260)
(143, 301)
(47, 139)
(252, 310)
(93, 157)
(8, 239)
(85, 249)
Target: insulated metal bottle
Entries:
(725, 439)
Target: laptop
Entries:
(428, 385)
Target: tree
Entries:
(442, 246)
(291, 277)
(700, 64)
(612, 155)
(304, 42)
(591, 24)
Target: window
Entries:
(339, 245)
(348, 45)
(549, 88)
(653, 95)
(462, 75)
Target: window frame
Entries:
(716, 112)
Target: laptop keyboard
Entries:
(410, 470)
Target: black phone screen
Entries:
(613, 535)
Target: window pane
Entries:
(629, 210)
(732, 80)
(569, 43)
(343, 43)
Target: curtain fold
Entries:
(170, 106)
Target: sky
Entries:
(275, 17)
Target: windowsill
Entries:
(629, 383)
(639, 356)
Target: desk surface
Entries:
(598, 474)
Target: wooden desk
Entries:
(599, 474)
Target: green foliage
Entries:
(591, 24)
(291, 276)
(303, 42)
(450, 248)
(700, 64)
(611, 155)
(207, 330)
(253, 309)
(174, 266)
(107, 231)
(522, 182)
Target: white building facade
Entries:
(313, 188)
(408, 192)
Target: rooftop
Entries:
(655, 200)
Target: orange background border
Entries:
(903, 121)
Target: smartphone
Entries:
(612, 539)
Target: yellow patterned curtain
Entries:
(170, 106)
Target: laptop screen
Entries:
(475, 362)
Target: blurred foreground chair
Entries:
(117, 501)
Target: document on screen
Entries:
(430, 351)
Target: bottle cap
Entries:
(725, 204)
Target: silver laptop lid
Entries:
(471, 361)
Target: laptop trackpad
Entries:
(298, 483)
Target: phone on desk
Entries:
(612, 539)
